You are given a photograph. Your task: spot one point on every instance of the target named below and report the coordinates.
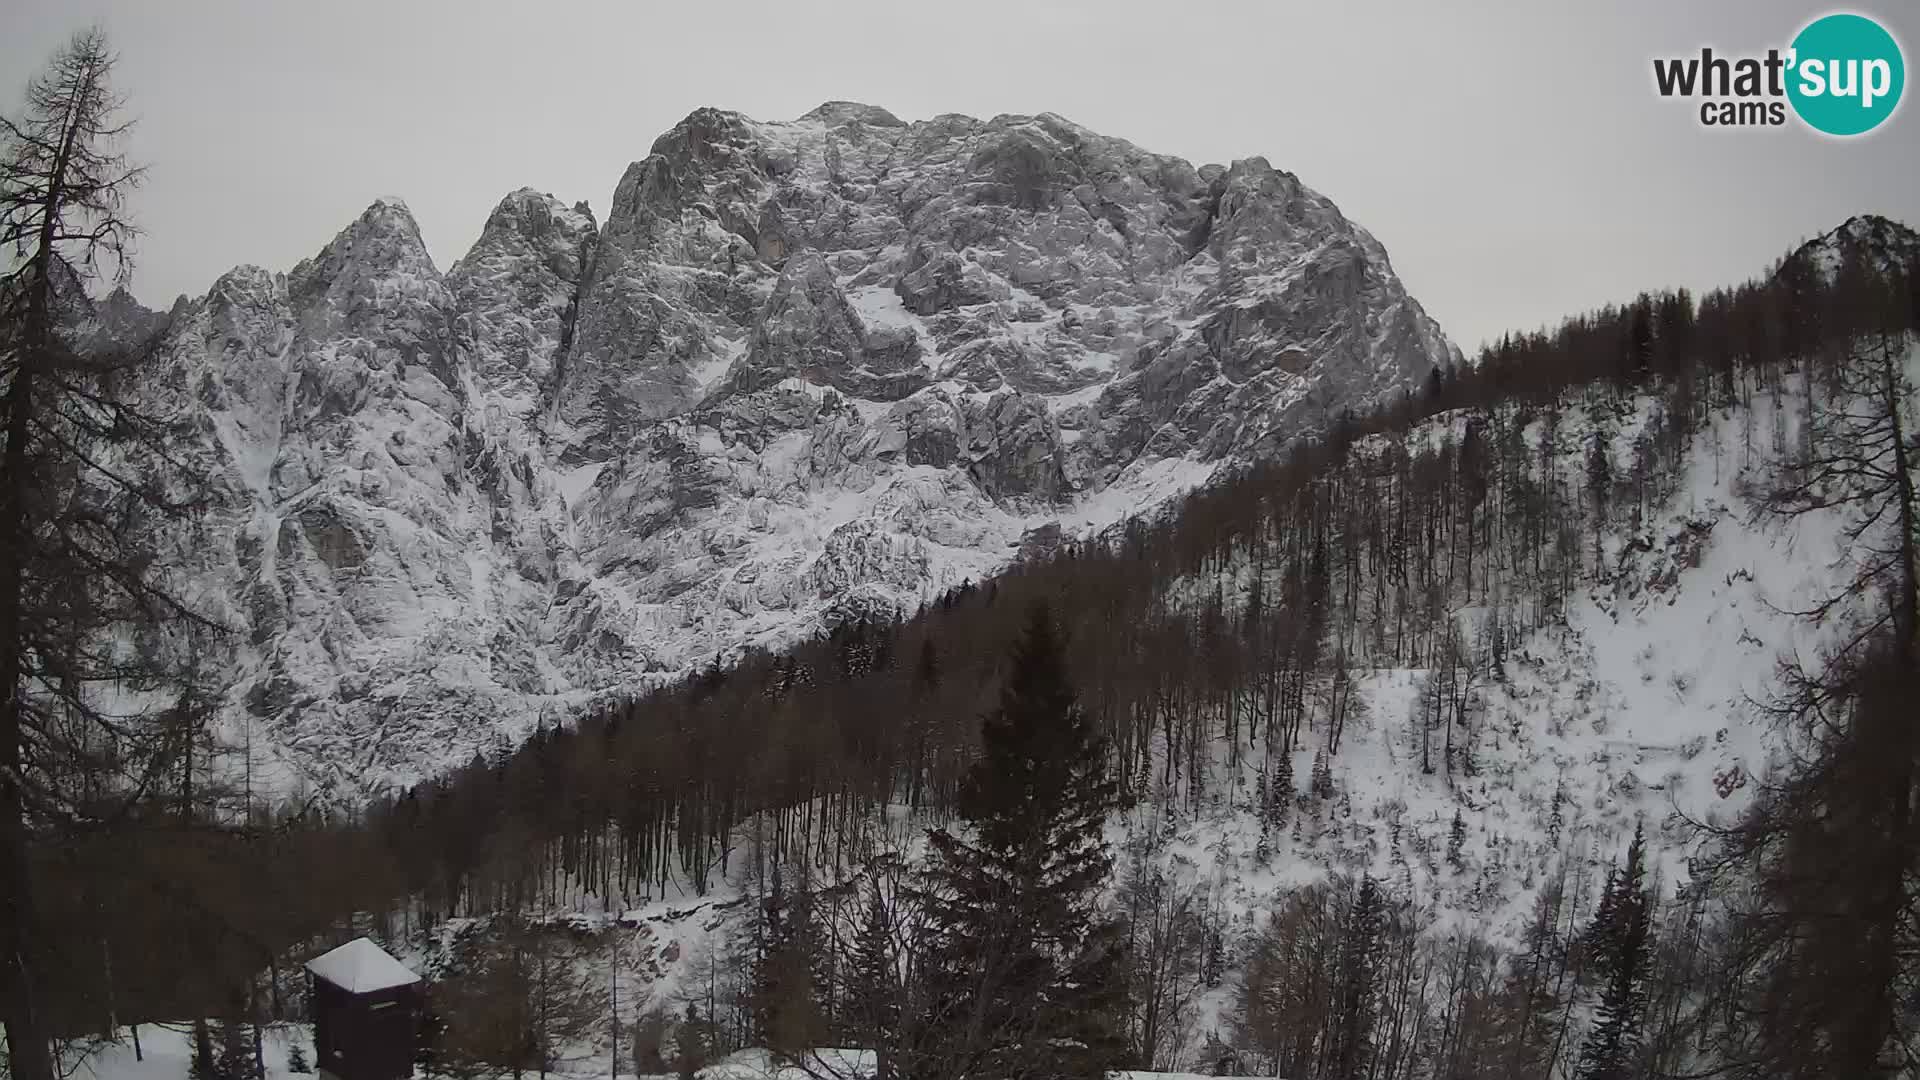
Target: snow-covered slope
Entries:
(1642, 707)
(837, 364)
(1643, 704)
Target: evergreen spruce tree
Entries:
(1263, 800)
(202, 1066)
(297, 1057)
(1360, 961)
(1637, 361)
(1619, 940)
(770, 938)
(233, 1050)
(814, 959)
(1322, 777)
(1599, 488)
(1456, 839)
(1557, 818)
(690, 1044)
(1213, 966)
(1276, 798)
(926, 670)
(875, 992)
(1024, 979)
(1530, 997)
(258, 1062)
(784, 1008)
(650, 1034)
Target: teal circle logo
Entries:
(1846, 75)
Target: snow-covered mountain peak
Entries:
(1022, 252)
(1875, 229)
(836, 113)
(1886, 245)
(384, 239)
(515, 294)
(803, 369)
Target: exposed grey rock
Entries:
(804, 370)
(515, 295)
(808, 331)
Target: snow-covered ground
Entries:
(166, 1053)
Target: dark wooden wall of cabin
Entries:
(367, 1036)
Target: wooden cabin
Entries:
(366, 1013)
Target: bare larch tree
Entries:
(92, 631)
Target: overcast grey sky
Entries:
(1512, 156)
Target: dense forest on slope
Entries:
(1228, 624)
(1216, 651)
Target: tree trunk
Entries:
(28, 1057)
(1906, 617)
(28, 1053)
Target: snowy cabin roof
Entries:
(361, 967)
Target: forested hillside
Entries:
(1547, 722)
(1441, 538)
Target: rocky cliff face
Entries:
(804, 369)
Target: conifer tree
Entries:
(1637, 358)
(923, 686)
(233, 1050)
(926, 670)
(690, 1044)
(1263, 799)
(785, 1008)
(1618, 940)
(1530, 997)
(1351, 1040)
(1599, 489)
(1023, 973)
(1282, 792)
(1322, 778)
(771, 938)
(203, 1066)
(875, 992)
(1556, 816)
